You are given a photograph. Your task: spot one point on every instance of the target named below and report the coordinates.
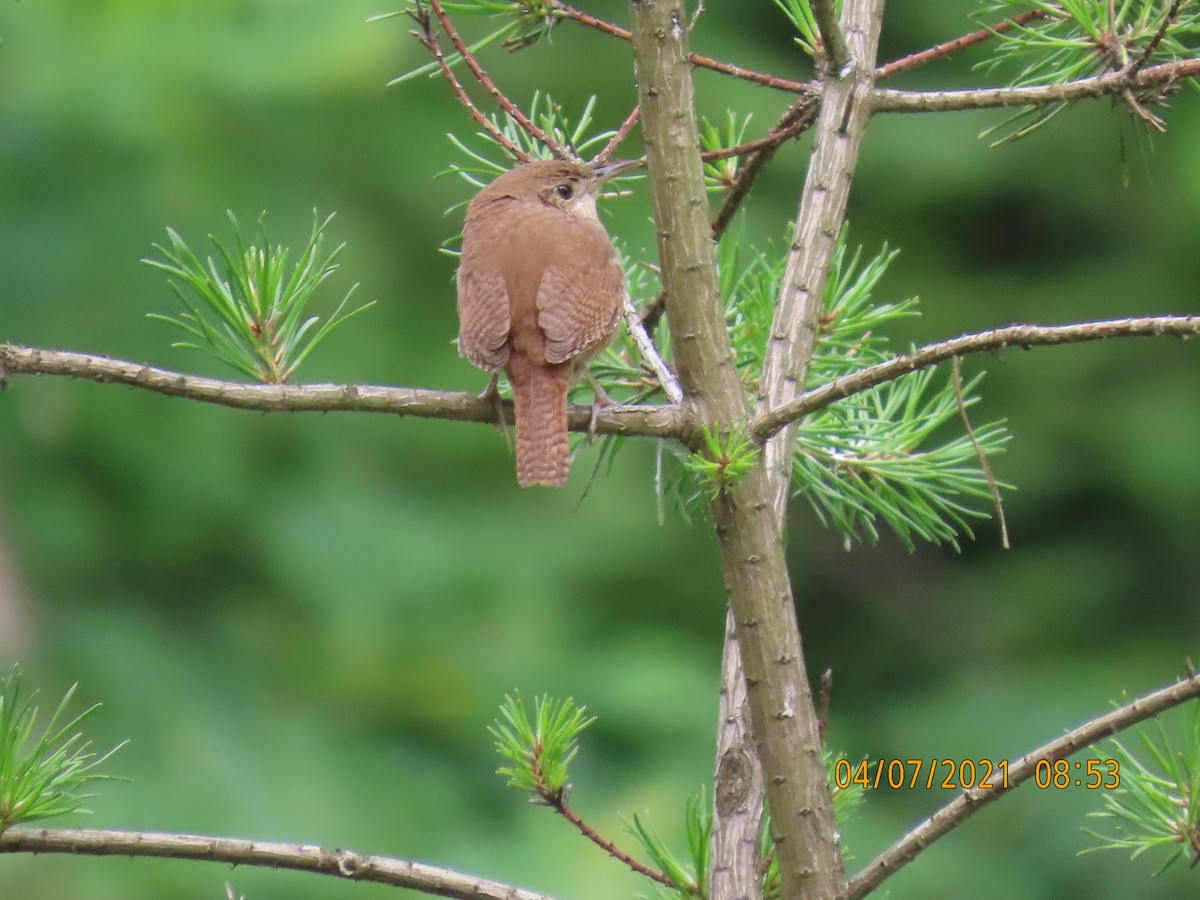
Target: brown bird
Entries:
(539, 295)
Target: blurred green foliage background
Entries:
(305, 623)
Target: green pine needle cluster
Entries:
(1084, 38)
(251, 315)
(1157, 806)
(540, 749)
(719, 174)
(726, 458)
(41, 775)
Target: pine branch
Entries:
(299, 857)
(1164, 75)
(969, 802)
(770, 421)
(651, 421)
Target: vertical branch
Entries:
(845, 108)
(783, 719)
(738, 787)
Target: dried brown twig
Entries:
(430, 42)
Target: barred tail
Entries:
(540, 400)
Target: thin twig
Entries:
(959, 43)
(984, 465)
(885, 100)
(650, 354)
(621, 134)
(770, 421)
(300, 857)
(559, 805)
(429, 40)
(1138, 64)
(704, 62)
(798, 118)
(485, 81)
(969, 802)
(655, 421)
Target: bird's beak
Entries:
(612, 169)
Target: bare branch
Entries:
(971, 801)
(485, 80)
(704, 62)
(430, 42)
(771, 421)
(621, 134)
(941, 51)
(560, 807)
(300, 857)
(1162, 75)
(652, 421)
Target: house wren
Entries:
(539, 295)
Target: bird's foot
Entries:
(491, 394)
(600, 400)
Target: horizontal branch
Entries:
(884, 100)
(1026, 336)
(300, 857)
(971, 801)
(650, 421)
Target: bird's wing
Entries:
(578, 306)
(483, 318)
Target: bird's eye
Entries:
(565, 191)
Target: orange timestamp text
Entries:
(965, 774)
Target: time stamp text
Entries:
(965, 774)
